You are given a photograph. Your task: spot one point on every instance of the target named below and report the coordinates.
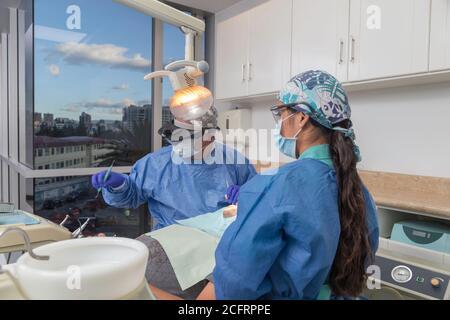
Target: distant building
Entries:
(86, 121)
(48, 119)
(65, 123)
(135, 115)
(167, 116)
(38, 117)
(66, 153)
(37, 120)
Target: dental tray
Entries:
(17, 217)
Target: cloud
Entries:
(101, 106)
(54, 70)
(121, 87)
(102, 54)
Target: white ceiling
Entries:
(4, 20)
(212, 6)
(9, 3)
(4, 13)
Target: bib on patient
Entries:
(213, 223)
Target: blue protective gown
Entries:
(285, 238)
(176, 190)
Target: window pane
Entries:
(91, 102)
(54, 198)
(25, 87)
(173, 50)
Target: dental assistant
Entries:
(308, 230)
(180, 181)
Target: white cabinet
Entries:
(232, 56)
(260, 44)
(253, 48)
(440, 35)
(269, 46)
(320, 36)
(388, 38)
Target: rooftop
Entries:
(45, 142)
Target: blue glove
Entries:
(115, 180)
(233, 194)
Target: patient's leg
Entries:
(161, 275)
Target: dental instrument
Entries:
(108, 172)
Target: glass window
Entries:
(91, 104)
(89, 83)
(56, 198)
(173, 50)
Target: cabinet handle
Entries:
(250, 66)
(352, 54)
(341, 52)
(243, 72)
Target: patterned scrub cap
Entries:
(322, 97)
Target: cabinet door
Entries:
(440, 35)
(269, 46)
(388, 38)
(231, 56)
(320, 36)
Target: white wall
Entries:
(402, 130)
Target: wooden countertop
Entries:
(428, 195)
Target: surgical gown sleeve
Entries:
(134, 192)
(281, 246)
(245, 173)
(244, 169)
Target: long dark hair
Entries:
(348, 273)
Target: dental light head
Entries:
(191, 100)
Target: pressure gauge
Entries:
(402, 274)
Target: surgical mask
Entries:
(186, 149)
(287, 146)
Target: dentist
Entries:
(189, 178)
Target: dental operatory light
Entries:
(190, 100)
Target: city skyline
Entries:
(45, 116)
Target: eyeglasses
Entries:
(277, 111)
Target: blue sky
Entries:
(104, 71)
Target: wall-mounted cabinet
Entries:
(388, 38)
(440, 35)
(358, 41)
(269, 46)
(320, 36)
(253, 49)
(232, 57)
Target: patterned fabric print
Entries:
(322, 97)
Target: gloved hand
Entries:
(233, 194)
(115, 180)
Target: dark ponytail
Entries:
(348, 274)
